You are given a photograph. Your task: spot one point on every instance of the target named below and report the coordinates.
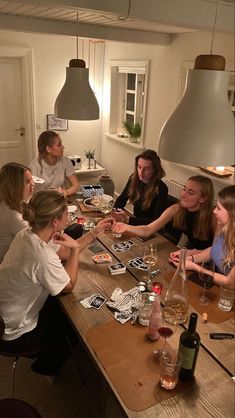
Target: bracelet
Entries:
(192, 258)
(93, 236)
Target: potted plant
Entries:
(133, 130)
(90, 155)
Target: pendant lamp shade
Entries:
(76, 100)
(200, 132)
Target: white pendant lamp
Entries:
(76, 100)
(200, 132)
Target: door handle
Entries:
(21, 130)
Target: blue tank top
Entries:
(218, 253)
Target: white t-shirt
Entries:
(30, 271)
(54, 175)
(11, 222)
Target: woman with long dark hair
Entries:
(145, 190)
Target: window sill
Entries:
(125, 141)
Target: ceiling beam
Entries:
(83, 30)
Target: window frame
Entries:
(118, 97)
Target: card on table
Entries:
(117, 268)
(95, 248)
(138, 263)
(102, 258)
(97, 302)
(123, 246)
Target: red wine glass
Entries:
(165, 330)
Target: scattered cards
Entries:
(138, 263)
(94, 301)
(123, 246)
(117, 268)
(102, 258)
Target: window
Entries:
(128, 96)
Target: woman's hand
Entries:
(189, 264)
(120, 216)
(119, 227)
(102, 226)
(65, 240)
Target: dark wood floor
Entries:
(68, 396)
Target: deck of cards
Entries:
(123, 246)
(94, 301)
(102, 258)
(138, 263)
(117, 268)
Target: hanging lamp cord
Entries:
(214, 25)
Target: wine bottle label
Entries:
(188, 356)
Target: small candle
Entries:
(157, 288)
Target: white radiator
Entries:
(174, 187)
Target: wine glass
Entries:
(150, 258)
(207, 279)
(106, 205)
(165, 330)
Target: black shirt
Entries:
(157, 206)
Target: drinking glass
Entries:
(207, 279)
(150, 258)
(169, 370)
(106, 206)
(165, 330)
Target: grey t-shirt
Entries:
(54, 175)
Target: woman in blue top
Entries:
(223, 247)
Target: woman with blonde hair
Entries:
(223, 247)
(16, 186)
(193, 215)
(31, 271)
(145, 190)
(55, 169)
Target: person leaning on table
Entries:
(31, 271)
(52, 166)
(192, 215)
(223, 247)
(145, 190)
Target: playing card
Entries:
(102, 258)
(86, 302)
(131, 243)
(121, 247)
(117, 268)
(97, 302)
(138, 263)
(95, 248)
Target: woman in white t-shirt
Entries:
(16, 186)
(52, 166)
(32, 272)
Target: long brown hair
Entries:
(43, 207)
(46, 139)
(12, 184)
(226, 197)
(152, 187)
(203, 223)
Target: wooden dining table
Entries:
(212, 392)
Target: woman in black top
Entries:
(192, 215)
(145, 190)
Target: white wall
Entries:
(51, 55)
(165, 64)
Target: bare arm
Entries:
(74, 185)
(146, 230)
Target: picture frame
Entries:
(56, 124)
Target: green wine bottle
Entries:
(189, 345)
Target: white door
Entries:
(13, 145)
